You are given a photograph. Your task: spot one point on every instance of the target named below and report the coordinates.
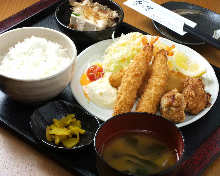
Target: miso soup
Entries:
(138, 153)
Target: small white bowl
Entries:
(42, 89)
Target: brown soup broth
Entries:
(138, 153)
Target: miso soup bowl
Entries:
(42, 89)
(140, 122)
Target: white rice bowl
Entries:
(34, 58)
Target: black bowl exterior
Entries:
(207, 21)
(43, 116)
(63, 13)
(137, 121)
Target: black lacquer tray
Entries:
(15, 116)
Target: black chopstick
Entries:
(203, 36)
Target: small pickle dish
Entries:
(51, 114)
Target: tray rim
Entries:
(25, 14)
(19, 133)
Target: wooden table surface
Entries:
(19, 159)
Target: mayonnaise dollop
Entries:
(101, 92)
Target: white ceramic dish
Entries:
(96, 52)
(42, 89)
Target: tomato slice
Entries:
(95, 72)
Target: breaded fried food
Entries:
(115, 78)
(131, 81)
(175, 80)
(195, 96)
(156, 85)
(144, 82)
(172, 106)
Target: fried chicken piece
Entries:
(156, 85)
(172, 106)
(131, 81)
(195, 96)
(115, 78)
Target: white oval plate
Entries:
(96, 52)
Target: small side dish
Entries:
(91, 16)
(63, 126)
(89, 21)
(66, 130)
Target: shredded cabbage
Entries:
(120, 53)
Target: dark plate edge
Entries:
(156, 24)
(191, 5)
(25, 14)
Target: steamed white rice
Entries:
(34, 58)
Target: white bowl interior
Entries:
(10, 38)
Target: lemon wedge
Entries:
(187, 65)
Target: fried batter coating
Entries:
(144, 82)
(175, 80)
(115, 78)
(131, 81)
(156, 85)
(172, 106)
(195, 96)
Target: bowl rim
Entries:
(166, 171)
(62, 148)
(115, 26)
(73, 57)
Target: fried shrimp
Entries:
(156, 85)
(144, 82)
(115, 79)
(131, 81)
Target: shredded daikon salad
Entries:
(120, 53)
